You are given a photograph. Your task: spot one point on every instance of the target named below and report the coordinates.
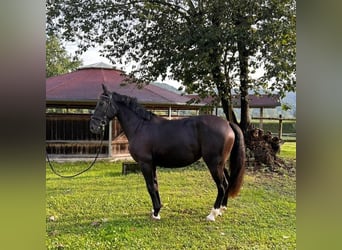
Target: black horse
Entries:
(155, 141)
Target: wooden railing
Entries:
(280, 120)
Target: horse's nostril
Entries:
(92, 128)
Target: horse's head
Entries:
(105, 111)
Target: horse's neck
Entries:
(129, 121)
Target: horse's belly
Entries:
(175, 163)
(173, 160)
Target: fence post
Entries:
(110, 129)
(280, 128)
(261, 116)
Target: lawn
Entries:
(103, 209)
(288, 150)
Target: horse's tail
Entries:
(237, 162)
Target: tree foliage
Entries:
(57, 59)
(211, 46)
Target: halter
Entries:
(103, 122)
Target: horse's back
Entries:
(203, 126)
(194, 137)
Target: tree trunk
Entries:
(243, 59)
(224, 91)
(227, 104)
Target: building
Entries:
(71, 97)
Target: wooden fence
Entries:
(68, 135)
(285, 136)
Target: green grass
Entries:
(102, 209)
(288, 150)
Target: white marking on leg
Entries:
(214, 212)
(155, 217)
(222, 209)
(210, 217)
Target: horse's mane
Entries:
(132, 104)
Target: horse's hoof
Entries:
(214, 212)
(155, 217)
(211, 217)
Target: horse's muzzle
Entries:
(95, 130)
(95, 126)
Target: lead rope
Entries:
(85, 170)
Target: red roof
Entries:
(84, 85)
(261, 101)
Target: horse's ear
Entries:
(105, 90)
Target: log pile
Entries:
(262, 149)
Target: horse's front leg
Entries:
(149, 172)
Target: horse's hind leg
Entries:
(217, 173)
(225, 198)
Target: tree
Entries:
(211, 46)
(57, 59)
(265, 38)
